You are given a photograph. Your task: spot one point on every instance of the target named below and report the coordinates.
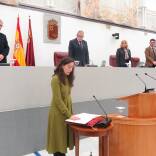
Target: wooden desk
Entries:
(132, 136)
(102, 133)
(135, 134)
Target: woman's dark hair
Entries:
(60, 72)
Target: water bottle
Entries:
(90, 154)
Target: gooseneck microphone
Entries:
(146, 90)
(97, 101)
(107, 120)
(150, 76)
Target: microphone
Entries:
(150, 76)
(142, 82)
(108, 120)
(146, 90)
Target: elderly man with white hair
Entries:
(4, 48)
(78, 49)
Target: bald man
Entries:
(4, 48)
(78, 49)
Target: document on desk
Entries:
(84, 118)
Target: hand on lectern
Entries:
(74, 117)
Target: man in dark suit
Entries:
(4, 48)
(150, 54)
(78, 49)
(123, 55)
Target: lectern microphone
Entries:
(106, 122)
(150, 76)
(146, 90)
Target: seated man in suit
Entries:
(123, 55)
(150, 54)
(4, 48)
(78, 49)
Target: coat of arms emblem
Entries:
(52, 29)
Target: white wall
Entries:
(29, 87)
(150, 4)
(100, 41)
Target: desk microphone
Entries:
(107, 120)
(146, 90)
(150, 76)
(142, 82)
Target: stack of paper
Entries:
(84, 118)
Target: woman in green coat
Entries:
(60, 136)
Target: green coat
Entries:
(59, 136)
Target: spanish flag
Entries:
(18, 54)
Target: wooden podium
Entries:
(141, 105)
(135, 135)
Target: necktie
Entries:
(80, 43)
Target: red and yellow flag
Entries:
(18, 54)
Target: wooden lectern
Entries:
(141, 105)
(135, 135)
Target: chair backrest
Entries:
(134, 61)
(112, 60)
(58, 56)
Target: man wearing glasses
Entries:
(78, 49)
(4, 48)
(150, 54)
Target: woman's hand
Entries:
(74, 117)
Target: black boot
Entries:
(56, 154)
(59, 154)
